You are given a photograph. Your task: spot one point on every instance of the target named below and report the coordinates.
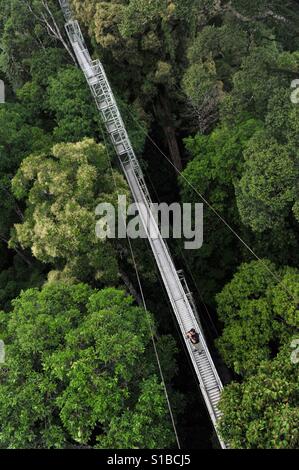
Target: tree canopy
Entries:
(262, 412)
(213, 85)
(261, 319)
(80, 372)
(62, 190)
(259, 314)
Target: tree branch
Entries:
(48, 21)
(262, 16)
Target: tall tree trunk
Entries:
(166, 119)
(173, 147)
(127, 282)
(19, 252)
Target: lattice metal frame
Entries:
(65, 6)
(106, 103)
(178, 291)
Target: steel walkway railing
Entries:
(182, 304)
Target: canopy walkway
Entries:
(175, 285)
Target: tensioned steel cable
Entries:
(277, 278)
(144, 304)
(188, 268)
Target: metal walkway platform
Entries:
(208, 378)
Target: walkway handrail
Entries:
(209, 380)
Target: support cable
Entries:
(212, 323)
(277, 278)
(144, 305)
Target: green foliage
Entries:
(218, 72)
(258, 312)
(69, 99)
(217, 162)
(263, 74)
(141, 44)
(47, 63)
(16, 139)
(214, 55)
(78, 366)
(267, 191)
(263, 412)
(260, 317)
(23, 34)
(62, 190)
(251, 174)
(200, 83)
(217, 158)
(141, 428)
(44, 66)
